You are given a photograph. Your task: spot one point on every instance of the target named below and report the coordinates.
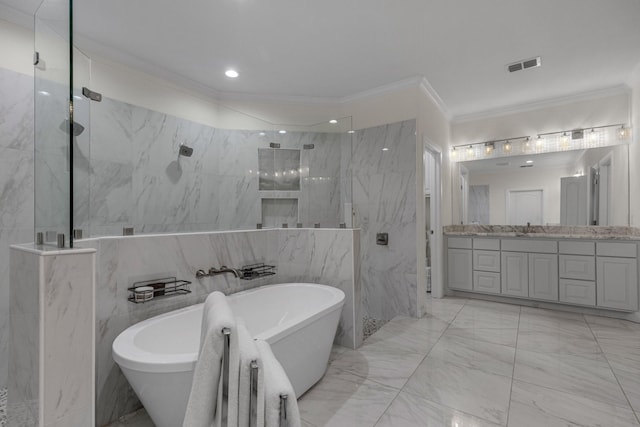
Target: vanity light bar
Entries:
(547, 142)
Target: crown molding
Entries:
(381, 90)
(102, 53)
(537, 105)
(426, 87)
(16, 16)
(278, 99)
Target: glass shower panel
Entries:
(52, 125)
(81, 144)
(325, 193)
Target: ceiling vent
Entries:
(523, 65)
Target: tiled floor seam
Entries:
(513, 371)
(624, 393)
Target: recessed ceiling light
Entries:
(231, 73)
(352, 131)
(529, 162)
(282, 131)
(333, 121)
(262, 134)
(385, 149)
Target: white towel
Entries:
(248, 352)
(276, 383)
(201, 407)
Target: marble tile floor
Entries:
(3, 407)
(477, 363)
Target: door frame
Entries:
(521, 190)
(437, 259)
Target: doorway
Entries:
(433, 225)
(524, 207)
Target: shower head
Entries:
(77, 127)
(186, 151)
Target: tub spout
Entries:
(225, 269)
(222, 270)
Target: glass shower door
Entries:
(61, 125)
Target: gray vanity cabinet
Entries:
(515, 274)
(596, 273)
(543, 276)
(460, 263)
(617, 276)
(577, 269)
(486, 265)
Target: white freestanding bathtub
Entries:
(158, 355)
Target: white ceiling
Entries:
(335, 49)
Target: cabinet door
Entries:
(617, 283)
(459, 266)
(577, 267)
(543, 276)
(515, 274)
(486, 281)
(486, 260)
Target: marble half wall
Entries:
(327, 256)
(52, 360)
(384, 201)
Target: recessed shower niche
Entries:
(280, 176)
(279, 169)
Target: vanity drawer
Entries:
(625, 250)
(459, 242)
(578, 267)
(577, 248)
(486, 260)
(577, 292)
(487, 244)
(484, 281)
(537, 246)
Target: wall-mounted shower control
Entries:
(127, 231)
(382, 239)
(94, 96)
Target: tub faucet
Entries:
(224, 269)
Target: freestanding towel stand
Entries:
(253, 378)
(224, 411)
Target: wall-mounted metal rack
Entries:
(255, 271)
(148, 290)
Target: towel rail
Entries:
(224, 411)
(284, 422)
(253, 402)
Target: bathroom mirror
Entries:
(577, 187)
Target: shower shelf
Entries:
(255, 271)
(164, 287)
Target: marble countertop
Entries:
(545, 232)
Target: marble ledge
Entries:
(200, 233)
(548, 232)
(45, 250)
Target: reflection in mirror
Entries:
(579, 187)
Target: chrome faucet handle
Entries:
(213, 271)
(201, 273)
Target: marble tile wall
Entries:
(51, 380)
(309, 255)
(384, 201)
(137, 178)
(16, 185)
